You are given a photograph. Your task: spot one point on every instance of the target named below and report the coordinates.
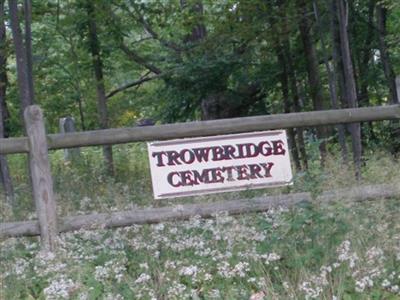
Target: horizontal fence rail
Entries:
(205, 210)
(206, 128)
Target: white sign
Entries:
(216, 164)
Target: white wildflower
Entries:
(188, 271)
(241, 268)
(373, 254)
(395, 288)
(385, 283)
(363, 283)
(310, 291)
(101, 273)
(143, 278)
(113, 297)
(144, 266)
(59, 288)
(176, 290)
(159, 227)
(215, 294)
(20, 266)
(251, 280)
(208, 277)
(345, 254)
(270, 257)
(258, 296)
(285, 285)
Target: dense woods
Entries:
(114, 63)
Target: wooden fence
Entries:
(37, 144)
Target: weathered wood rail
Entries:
(38, 143)
(205, 210)
(206, 128)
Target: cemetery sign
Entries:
(194, 166)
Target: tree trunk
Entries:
(332, 80)
(364, 59)
(296, 100)
(24, 85)
(28, 46)
(100, 89)
(199, 31)
(336, 52)
(5, 177)
(211, 104)
(287, 106)
(81, 115)
(381, 13)
(315, 86)
(398, 85)
(350, 91)
(366, 55)
(394, 97)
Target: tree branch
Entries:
(154, 34)
(133, 55)
(132, 84)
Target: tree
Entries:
(314, 77)
(381, 13)
(287, 105)
(5, 177)
(332, 82)
(94, 46)
(22, 52)
(350, 92)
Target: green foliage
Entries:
(236, 53)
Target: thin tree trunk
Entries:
(77, 85)
(291, 82)
(28, 46)
(81, 115)
(5, 176)
(287, 106)
(349, 83)
(315, 86)
(332, 80)
(398, 85)
(394, 97)
(381, 13)
(199, 31)
(336, 52)
(24, 72)
(296, 100)
(366, 55)
(24, 86)
(100, 89)
(363, 67)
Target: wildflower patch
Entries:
(195, 166)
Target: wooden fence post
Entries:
(42, 182)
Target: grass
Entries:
(335, 251)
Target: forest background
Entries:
(114, 63)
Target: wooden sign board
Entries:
(194, 166)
